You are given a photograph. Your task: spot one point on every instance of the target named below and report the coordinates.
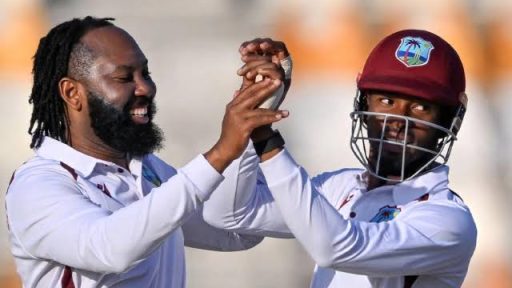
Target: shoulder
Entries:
(159, 166)
(39, 170)
(341, 176)
(40, 183)
(336, 185)
(443, 219)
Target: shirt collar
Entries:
(430, 182)
(82, 163)
(412, 189)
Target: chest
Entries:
(375, 207)
(114, 188)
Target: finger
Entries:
(251, 91)
(251, 75)
(242, 46)
(255, 57)
(255, 65)
(265, 46)
(263, 119)
(246, 82)
(275, 48)
(251, 47)
(266, 71)
(279, 49)
(259, 95)
(259, 112)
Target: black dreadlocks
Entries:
(51, 64)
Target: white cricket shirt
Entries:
(77, 221)
(416, 233)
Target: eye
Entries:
(386, 101)
(124, 78)
(421, 107)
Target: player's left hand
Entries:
(260, 51)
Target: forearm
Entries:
(230, 201)
(62, 224)
(199, 234)
(399, 247)
(243, 203)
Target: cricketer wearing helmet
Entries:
(394, 223)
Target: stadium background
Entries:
(192, 51)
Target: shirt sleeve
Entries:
(427, 239)
(243, 203)
(199, 234)
(52, 220)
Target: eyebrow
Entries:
(131, 67)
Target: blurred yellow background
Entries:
(192, 50)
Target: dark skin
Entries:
(418, 134)
(261, 54)
(120, 71)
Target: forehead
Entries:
(113, 46)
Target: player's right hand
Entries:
(241, 117)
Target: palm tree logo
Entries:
(414, 51)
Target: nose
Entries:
(401, 108)
(396, 123)
(145, 87)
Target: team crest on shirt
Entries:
(414, 51)
(386, 213)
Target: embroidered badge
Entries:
(149, 175)
(414, 51)
(386, 213)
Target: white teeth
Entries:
(139, 111)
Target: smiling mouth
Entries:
(396, 144)
(140, 115)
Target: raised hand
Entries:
(240, 119)
(261, 55)
(265, 58)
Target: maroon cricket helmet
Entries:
(416, 63)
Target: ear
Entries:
(71, 92)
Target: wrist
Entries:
(261, 133)
(273, 143)
(217, 159)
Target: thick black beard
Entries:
(118, 131)
(391, 164)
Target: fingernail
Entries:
(285, 113)
(276, 82)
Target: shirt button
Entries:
(120, 170)
(352, 214)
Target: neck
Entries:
(96, 148)
(374, 182)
